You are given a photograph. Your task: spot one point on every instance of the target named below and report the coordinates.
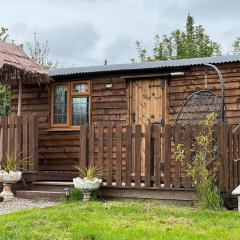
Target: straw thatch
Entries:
(15, 64)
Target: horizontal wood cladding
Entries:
(181, 87)
(59, 151)
(109, 104)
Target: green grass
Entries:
(119, 220)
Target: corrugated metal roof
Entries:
(145, 65)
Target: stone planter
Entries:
(8, 179)
(87, 186)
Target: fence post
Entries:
(167, 155)
(91, 144)
(1, 139)
(25, 142)
(177, 172)
(33, 143)
(231, 166)
(109, 153)
(138, 138)
(129, 155)
(157, 155)
(235, 163)
(220, 137)
(187, 150)
(226, 157)
(119, 155)
(100, 162)
(4, 137)
(11, 135)
(148, 136)
(18, 136)
(83, 145)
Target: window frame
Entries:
(70, 96)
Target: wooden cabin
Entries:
(126, 94)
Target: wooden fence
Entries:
(19, 137)
(142, 156)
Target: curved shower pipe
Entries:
(222, 92)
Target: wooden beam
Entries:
(19, 97)
(173, 74)
(146, 76)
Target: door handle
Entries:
(133, 116)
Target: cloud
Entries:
(85, 32)
(71, 41)
(119, 49)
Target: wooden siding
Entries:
(59, 150)
(180, 88)
(109, 105)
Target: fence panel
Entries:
(19, 137)
(142, 156)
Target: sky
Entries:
(86, 32)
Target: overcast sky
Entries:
(85, 32)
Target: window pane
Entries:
(79, 111)
(60, 105)
(80, 88)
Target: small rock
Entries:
(23, 204)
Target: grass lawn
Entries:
(119, 220)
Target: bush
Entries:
(75, 195)
(202, 176)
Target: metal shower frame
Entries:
(222, 115)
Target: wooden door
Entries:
(148, 105)
(148, 101)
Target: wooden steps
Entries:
(45, 190)
(54, 190)
(47, 195)
(51, 185)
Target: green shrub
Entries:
(202, 176)
(75, 195)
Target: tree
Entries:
(39, 52)
(3, 34)
(5, 93)
(236, 46)
(188, 43)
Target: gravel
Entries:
(22, 204)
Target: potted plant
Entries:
(88, 180)
(9, 174)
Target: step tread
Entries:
(53, 183)
(34, 191)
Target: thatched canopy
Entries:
(16, 68)
(16, 65)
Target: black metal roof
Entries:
(144, 65)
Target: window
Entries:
(70, 104)
(60, 104)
